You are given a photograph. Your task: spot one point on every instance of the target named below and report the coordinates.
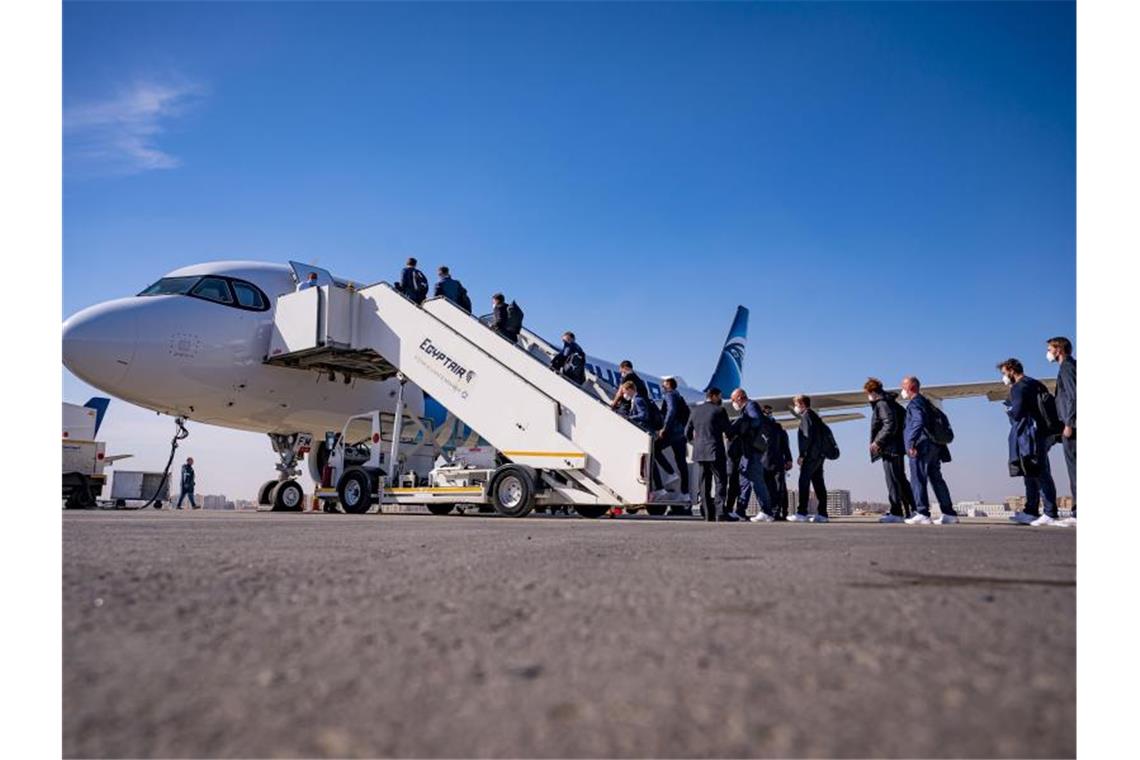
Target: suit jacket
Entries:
(810, 437)
(499, 319)
(708, 424)
(639, 412)
(779, 450)
(671, 404)
(1067, 392)
(744, 428)
(1023, 400)
(887, 421)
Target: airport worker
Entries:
(1060, 350)
(776, 460)
(310, 282)
(675, 415)
(813, 439)
(626, 368)
(452, 290)
(888, 418)
(708, 425)
(571, 360)
(499, 315)
(753, 445)
(1028, 400)
(413, 282)
(925, 424)
(187, 483)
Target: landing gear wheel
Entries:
(355, 491)
(513, 491)
(591, 511)
(263, 498)
(657, 510)
(287, 496)
(440, 509)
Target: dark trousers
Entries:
(927, 468)
(898, 489)
(811, 474)
(776, 482)
(186, 494)
(752, 479)
(1041, 487)
(1069, 446)
(732, 490)
(678, 448)
(709, 470)
(656, 464)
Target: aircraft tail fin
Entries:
(730, 365)
(99, 404)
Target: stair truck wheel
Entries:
(287, 496)
(657, 510)
(512, 491)
(80, 496)
(354, 490)
(591, 511)
(440, 509)
(263, 493)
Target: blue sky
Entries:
(889, 187)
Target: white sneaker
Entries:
(797, 517)
(947, 520)
(1068, 522)
(890, 519)
(819, 519)
(1043, 520)
(918, 519)
(1021, 518)
(763, 518)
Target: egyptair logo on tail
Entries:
(735, 349)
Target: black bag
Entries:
(420, 283)
(575, 367)
(830, 447)
(683, 411)
(514, 319)
(464, 301)
(1050, 420)
(938, 427)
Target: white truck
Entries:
(84, 458)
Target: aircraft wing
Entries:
(791, 423)
(994, 391)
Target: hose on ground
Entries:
(180, 433)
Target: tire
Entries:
(657, 510)
(354, 490)
(440, 509)
(512, 492)
(263, 493)
(591, 511)
(287, 496)
(80, 496)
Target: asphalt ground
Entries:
(263, 635)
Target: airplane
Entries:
(192, 345)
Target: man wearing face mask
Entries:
(672, 435)
(708, 425)
(643, 414)
(1024, 405)
(926, 457)
(571, 360)
(753, 445)
(619, 404)
(777, 460)
(1060, 350)
(812, 439)
(887, 421)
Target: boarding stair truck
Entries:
(84, 458)
(558, 445)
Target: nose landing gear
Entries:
(285, 494)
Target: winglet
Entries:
(730, 365)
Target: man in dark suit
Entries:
(452, 290)
(752, 443)
(499, 316)
(675, 412)
(812, 440)
(1060, 350)
(777, 460)
(619, 404)
(1024, 404)
(413, 282)
(887, 421)
(926, 458)
(707, 427)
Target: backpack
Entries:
(654, 421)
(514, 319)
(464, 301)
(683, 411)
(1047, 413)
(420, 283)
(830, 447)
(574, 367)
(938, 427)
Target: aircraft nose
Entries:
(99, 344)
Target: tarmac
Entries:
(215, 634)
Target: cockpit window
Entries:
(248, 296)
(213, 289)
(171, 286)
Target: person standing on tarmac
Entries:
(619, 403)
(571, 360)
(1060, 350)
(1024, 406)
(452, 290)
(187, 484)
(926, 457)
(675, 413)
(812, 439)
(887, 421)
(752, 447)
(707, 427)
(413, 282)
(777, 460)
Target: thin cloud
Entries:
(119, 135)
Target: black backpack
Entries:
(654, 420)
(575, 367)
(420, 283)
(938, 427)
(683, 411)
(1048, 417)
(830, 447)
(514, 319)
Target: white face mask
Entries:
(1050, 356)
(799, 410)
(737, 405)
(1007, 379)
(904, 394)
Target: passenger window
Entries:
(248, 296)
(213, 289)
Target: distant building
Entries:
(869, 508)
(981, 509)
(1015, 503)
(838, 502)
(215, 501)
